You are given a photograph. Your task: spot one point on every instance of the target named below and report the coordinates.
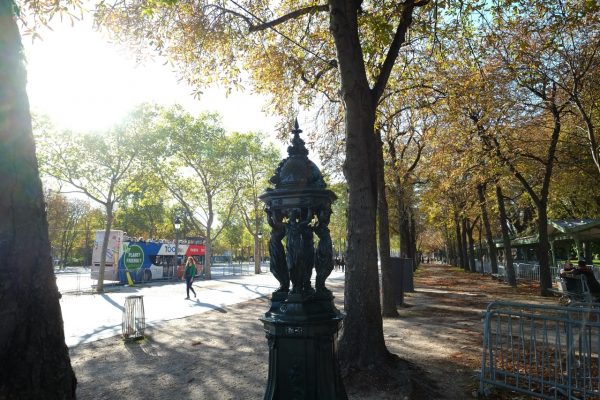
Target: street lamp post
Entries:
(177, 225)
(302, 322)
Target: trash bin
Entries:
(402, 276)
(407, 274)
(134, 320)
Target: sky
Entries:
(82, 82)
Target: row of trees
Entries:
(375, 82)
(71, 226)
(148, 207)
(516, 111)
(160, 163)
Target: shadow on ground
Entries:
(223, 354)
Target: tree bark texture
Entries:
(404, 239)
(34, 359)
(542, 205)
(388, 302)
(207, 273)
(257, 231)
(465, 244)
(400, 204)
(471, 241)
(257, 255)
(413, 240)
(480, 244)
(508, 260)
(361, 344)
(107, 228)
(544, 249)
(488, 229)
(459, 244)
(449, 247)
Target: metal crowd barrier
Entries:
(236, 268)
(525, 271)
(73, 280)
(544, 351)
(77, 280)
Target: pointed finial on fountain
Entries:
(297, 147)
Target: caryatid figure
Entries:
(296, 233)
(278, 265)
(324, 250)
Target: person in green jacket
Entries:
(190, 273)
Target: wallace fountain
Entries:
(302, 322)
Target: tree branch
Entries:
(234, 13)
(392, 55)
(287, 17)
(313, 83)
(231, 207)
(412, 167)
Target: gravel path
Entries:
(223, 354)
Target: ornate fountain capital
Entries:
(298, 207)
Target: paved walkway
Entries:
(89, 317)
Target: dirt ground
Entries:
(223, 354)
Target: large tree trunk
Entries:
(403, 228)
(542, 206)
(413, 240)
(508, 260)
(88, 255)
(471, 241)
(208, 255)
(465, 245)
(388, 302)
(480, 244)
(488, 229)
(34, 359)
(541, 202)
(459, 245)
(257, 239)
(450, 254)
(543, 249)
(401, 221)
(361, 344)
(256, 255)
(449, 248)
(107, 228)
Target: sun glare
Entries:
(83, 83)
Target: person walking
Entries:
(190, 273)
